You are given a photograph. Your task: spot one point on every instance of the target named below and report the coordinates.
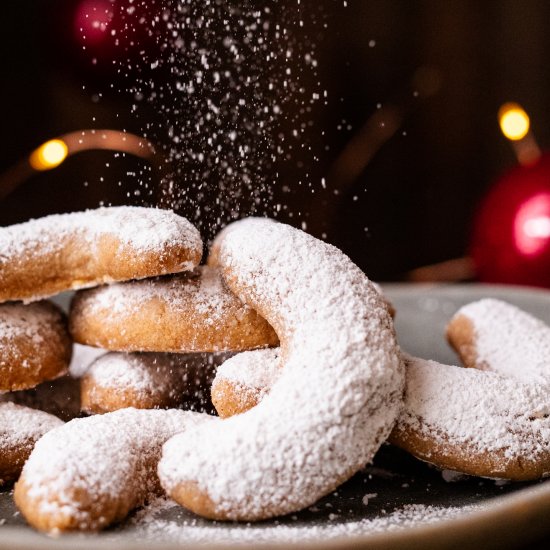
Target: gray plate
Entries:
(396, 503)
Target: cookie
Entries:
(492, 335)
(474, 422)
(148, 381)
(20, 429)
(190, 312)
(91, 472)
(35, 345)
(43, 257)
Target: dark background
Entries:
(412, 205)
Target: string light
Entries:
(515, 125)
(514, 121)
(49, 155)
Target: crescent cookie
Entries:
(474, 422)
(341, 383)
(34, 344)
(190, 312)
(492, 335)
(20, 429)
(147, 381)
(91, 472)
(46, 256)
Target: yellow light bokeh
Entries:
(514, 121)
(49, 155)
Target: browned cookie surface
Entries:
(148, 381)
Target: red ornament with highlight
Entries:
(511, 237)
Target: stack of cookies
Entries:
(164, 334)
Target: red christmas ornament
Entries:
(511, 235)
(91, 21)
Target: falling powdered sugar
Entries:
(233, 87)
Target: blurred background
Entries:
(407, 146)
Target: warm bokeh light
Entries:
(514, 121)
(49, 155)
(532, 225)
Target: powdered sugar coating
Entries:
(203, 287)
(20, 321)
(22, 426)
(254, 371)
(508, 341)
(475, 419)
(333, 406)
(93, 471)
(149, 524)
(76, 250)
